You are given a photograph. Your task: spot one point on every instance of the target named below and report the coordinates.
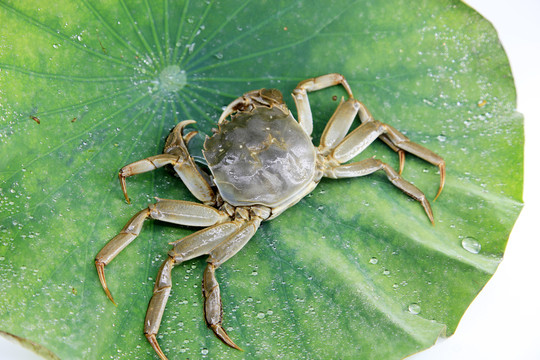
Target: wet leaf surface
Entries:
(355, 268)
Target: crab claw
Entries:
(100, 266)
(222, 335)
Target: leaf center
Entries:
(172, 79)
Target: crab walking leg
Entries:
(371, 165)
(357, 141)
(145, 165)
(183, 166)
(192, 246)
(178, 156)
(403, 143)
(156, 307)
(339, 124)
(305, 117)
(172, 211)
(213, 309)
(230, 236)
(361, 137)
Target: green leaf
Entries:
(355, 270)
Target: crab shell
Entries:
(261, 157)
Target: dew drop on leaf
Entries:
(414, 309)
(471, 245)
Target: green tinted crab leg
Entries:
(172, 211)
(361, 137)
(178, 156)
(371, 165)
(305, 117)
(221, 242)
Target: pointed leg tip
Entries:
(101, 274)
(153, 341)
(122, 179)
(223, 336)
(427, 209)
(438, 193)
(431, 219)
(401, 155)
(109, 295)
(126, 196)
(442, 170)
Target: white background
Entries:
(504, 321)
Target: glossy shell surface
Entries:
(260, 157)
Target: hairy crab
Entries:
(261, 162)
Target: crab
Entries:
(261, 162)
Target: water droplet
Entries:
(386, 272)
(441, 138)
(204, 351)
(415, 309)
(261, 315)
(373, 260)
(471, 245)
(218, 56)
